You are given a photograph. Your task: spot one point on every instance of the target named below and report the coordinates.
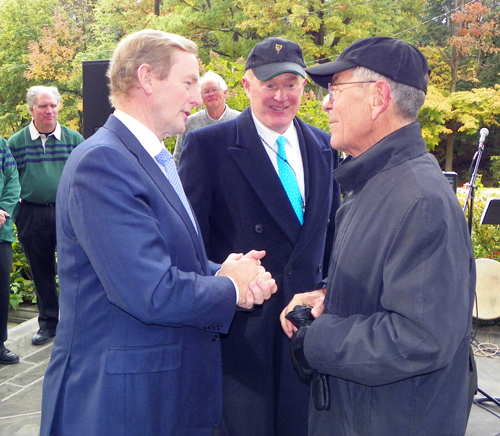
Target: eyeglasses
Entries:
(334, 91)
(210, 91)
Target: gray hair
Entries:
(407, 100)
(35, 90)
(210, 76)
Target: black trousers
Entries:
(36, 230)
(5, 268)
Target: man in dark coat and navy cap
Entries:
(391, 337)
(264, 180)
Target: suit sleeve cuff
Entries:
(234, 284)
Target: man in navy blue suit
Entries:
(137, 349)
(247, 192)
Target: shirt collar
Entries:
(145, 136)
(223, 113)
(35, 134)
(271, 136)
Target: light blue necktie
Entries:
(287, 177)
(165, 159)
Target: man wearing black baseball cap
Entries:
(249, 191)
(392, 335)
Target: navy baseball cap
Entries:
(275, 56)
(393, 58)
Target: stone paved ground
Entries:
(21, 384)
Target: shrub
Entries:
(21, 281)
(485, 238)
(495, 169)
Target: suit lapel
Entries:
(152, 169)
(316, 158)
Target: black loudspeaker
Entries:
(96, 106)
(452, 178)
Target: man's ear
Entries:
(381, 98)
(246, 85)
(145, 75)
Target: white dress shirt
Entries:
(292, 150)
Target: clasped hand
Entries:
(255, 284)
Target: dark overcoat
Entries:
(395, 335)
(241, 205)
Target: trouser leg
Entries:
(5, 268)
(37, 236)
(473, 381)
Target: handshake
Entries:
(253, 282)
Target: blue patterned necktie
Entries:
(288, 179)
(165, 159)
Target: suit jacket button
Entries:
(215, 338)
(259, 228)
(320, 267)
(289, 270)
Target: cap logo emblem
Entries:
(278, 48)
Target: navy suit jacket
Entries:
(137, 348)
(240, 204)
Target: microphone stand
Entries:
(470, 198)
(472, 185)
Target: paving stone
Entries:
(39, 355)
(9, 371)
(30, 375)
(21, 425)
(6, 390)
(25, 401)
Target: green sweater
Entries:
(10, 189)
(40, 169)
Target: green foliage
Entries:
(485, 238)
(495, 169)
(19, 24)
(60, 34)
(232, 73)
(311, 112)
(469, 109)
(21, 281)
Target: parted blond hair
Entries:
(152, 47)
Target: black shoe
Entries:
(8, 357)
(42, 337)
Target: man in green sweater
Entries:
(9, 195)
(41, 150)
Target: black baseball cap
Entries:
(393, 58)
(275, 56)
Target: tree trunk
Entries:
(450, 139)
(455, 64)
